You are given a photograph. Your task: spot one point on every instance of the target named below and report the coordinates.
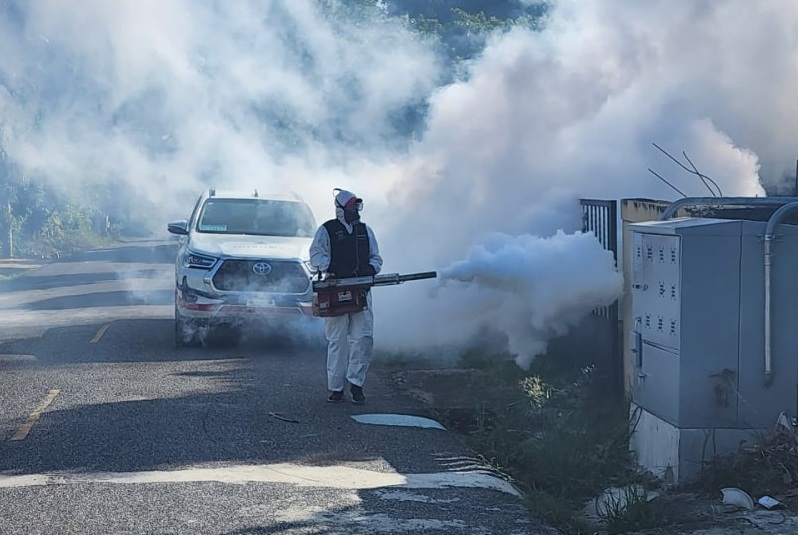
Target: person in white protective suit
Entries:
(346, 247)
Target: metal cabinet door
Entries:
(656, 288)
(656, 309)
(656, 382)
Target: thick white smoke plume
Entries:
(294, 95)
(543, 118)
(543, 286)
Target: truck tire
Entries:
(187, 333)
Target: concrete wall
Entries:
(677, 456)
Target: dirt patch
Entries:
(461, 398)
(442, 388)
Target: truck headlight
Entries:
(194, 260)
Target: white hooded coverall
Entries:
(350, 338)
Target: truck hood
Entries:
(244, 246)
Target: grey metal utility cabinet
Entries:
(699, 382)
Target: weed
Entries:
(403, 361)
(628, 510)
(558, 434)
(557, 509)
(769, 467)
(473, 358)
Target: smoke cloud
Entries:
(545, 285)
(305, 96)
(174, 97)
(545, 117)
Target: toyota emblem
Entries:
(262, 268)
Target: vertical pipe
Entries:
(614, 231)
(768, 356)
(769, 237)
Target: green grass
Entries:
(559, 436)
(392, 360)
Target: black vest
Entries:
(350, 251)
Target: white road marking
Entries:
(339, 477)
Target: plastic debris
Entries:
(617, 499)
(737, 497)
(401, 420)
(768, 503)
(785, 425)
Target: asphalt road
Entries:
(106, 427)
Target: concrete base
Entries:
(676, 455)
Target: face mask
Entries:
(351, 214)
(351, 211)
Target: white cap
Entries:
(343, 197)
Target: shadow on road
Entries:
(103, 299)
(152, 340)
(188, 407)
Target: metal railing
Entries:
(601, 218)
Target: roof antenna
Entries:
(680, 192)
(694, 171)
(702, 176)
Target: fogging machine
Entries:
(336, 297)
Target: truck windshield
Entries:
(262, 217)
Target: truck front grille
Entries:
(261, 276)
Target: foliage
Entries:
(554, 430)
(463, 26)
(766, 465)
(36, 220)
(629, 511)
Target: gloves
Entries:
(369, 270)
(338, 271)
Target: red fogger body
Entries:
(336, 297)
